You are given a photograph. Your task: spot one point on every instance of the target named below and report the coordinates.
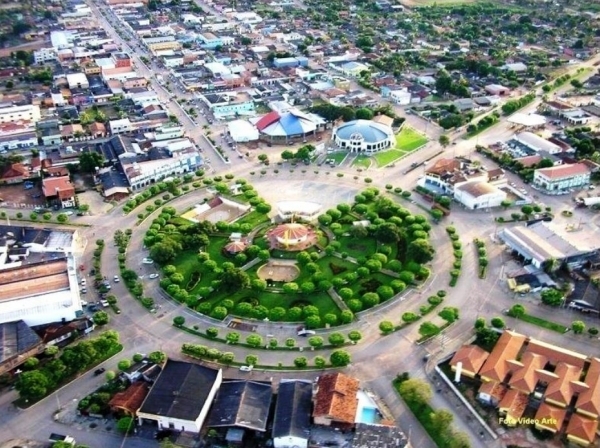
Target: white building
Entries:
(478, 195)
(400, 97)
(181, 397)
(78, 81)
(364, 136)
(537, 143)
(560, 179)
(38, 275)
(120, 126)
(44, 55)
(10, 113)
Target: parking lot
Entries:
(17, 196)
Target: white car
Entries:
(148, 261)
(246, 368)
(69, 213)
(116, 279)
(153, 276)
(104, 303)
(83, 282)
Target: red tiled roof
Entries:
(130, 399)
(58, 186)
(561, 390)
(582, 428)
(564, 171)
(336, 397)
(471, 356)
(507, 348)
(589, 400)
(526, 377)
(551, 416)
(267, 120)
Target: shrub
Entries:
(386, 327)
(409, 317)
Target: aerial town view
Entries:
(296, 223)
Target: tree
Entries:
(315, 341)
(301, 362)
(527, 210)
(336, 339)
(355, 336)
(444, 140)
(254, 340)
(441, 420)
(32, 385)
(101, 318)
(386, 327)
(125, 424)
(416, 391)
(290, 288)
(124, 365)
(498, 322)
(251, 360)
(234, 279)
(90, 160)
(420, 250)
(552, 297)
(165, 251)
(178, 321)
(577, 326)
(449, 314)
(517, 311)
(506, 203)
(428, 329)
(157, 357)
(339, 358)
(387, 233)
(232, 337)
(364, 114)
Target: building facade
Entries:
(562, 178)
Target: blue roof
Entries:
(291, 124)
(371, 131)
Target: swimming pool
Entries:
(368, 415)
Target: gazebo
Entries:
(290, 234)
(235, 247)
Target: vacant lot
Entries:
(409, 139)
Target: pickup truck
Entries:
(60, 438)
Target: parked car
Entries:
(99, 371)
(104, 303)
(116, 279)
(153, 276)
(83, 290)
(148, 261)
(305, 332)
(246, 368)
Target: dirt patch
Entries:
(16, 196)
(278, 272)
(5, 52)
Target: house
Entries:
(291, 424)
(335, 400)
(471, 358)
(143, 370)
(512, 406)
(588, 402)
(353, 69)
(129, 401)
(560, 179)
(10, 113)
(478, 195)
(181, 396)
(496, 89)
(59, 190)
(549, 418)
(14, 173)
(241, 404)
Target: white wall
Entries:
(290, 442)
(41, 309)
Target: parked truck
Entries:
(60, 438)
(588, 202)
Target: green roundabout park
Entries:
(227, 258)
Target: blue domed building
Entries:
(364, 136)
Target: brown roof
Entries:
(556, 354)
(478, 189)
(15, 170)
(529, 161)
(514, 403)
(384, 119)
(564, 171)
(589, 400)
(471, 356)
(561, 390)
(97, 127)
(33, 280)
(493, 389)
(444, 166)
(582, 428)
(550, 416)
(130, 399)
(525, 378)
(58, 186)
(336, 397)
(507, 348)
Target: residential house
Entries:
(335, 400)
(59, 190)
(98, 130)
(14, 173)
(291, 424)
(353, 69)
(581, 430)
(10, 113)
(496, 366)
(181, 396)
(588, 402)
(560, 179)
(549, 418)
(241, 404)
(130, 400)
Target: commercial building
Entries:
(562, 178)
(10, 113)
(276, 126)
(38, 275)
(291, 425)
(181, 397)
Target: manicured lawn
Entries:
(357, 247)
(386, 157)
(337, 156)
(409, 139)
(362, 162)
(559, 328)
(253, 218)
